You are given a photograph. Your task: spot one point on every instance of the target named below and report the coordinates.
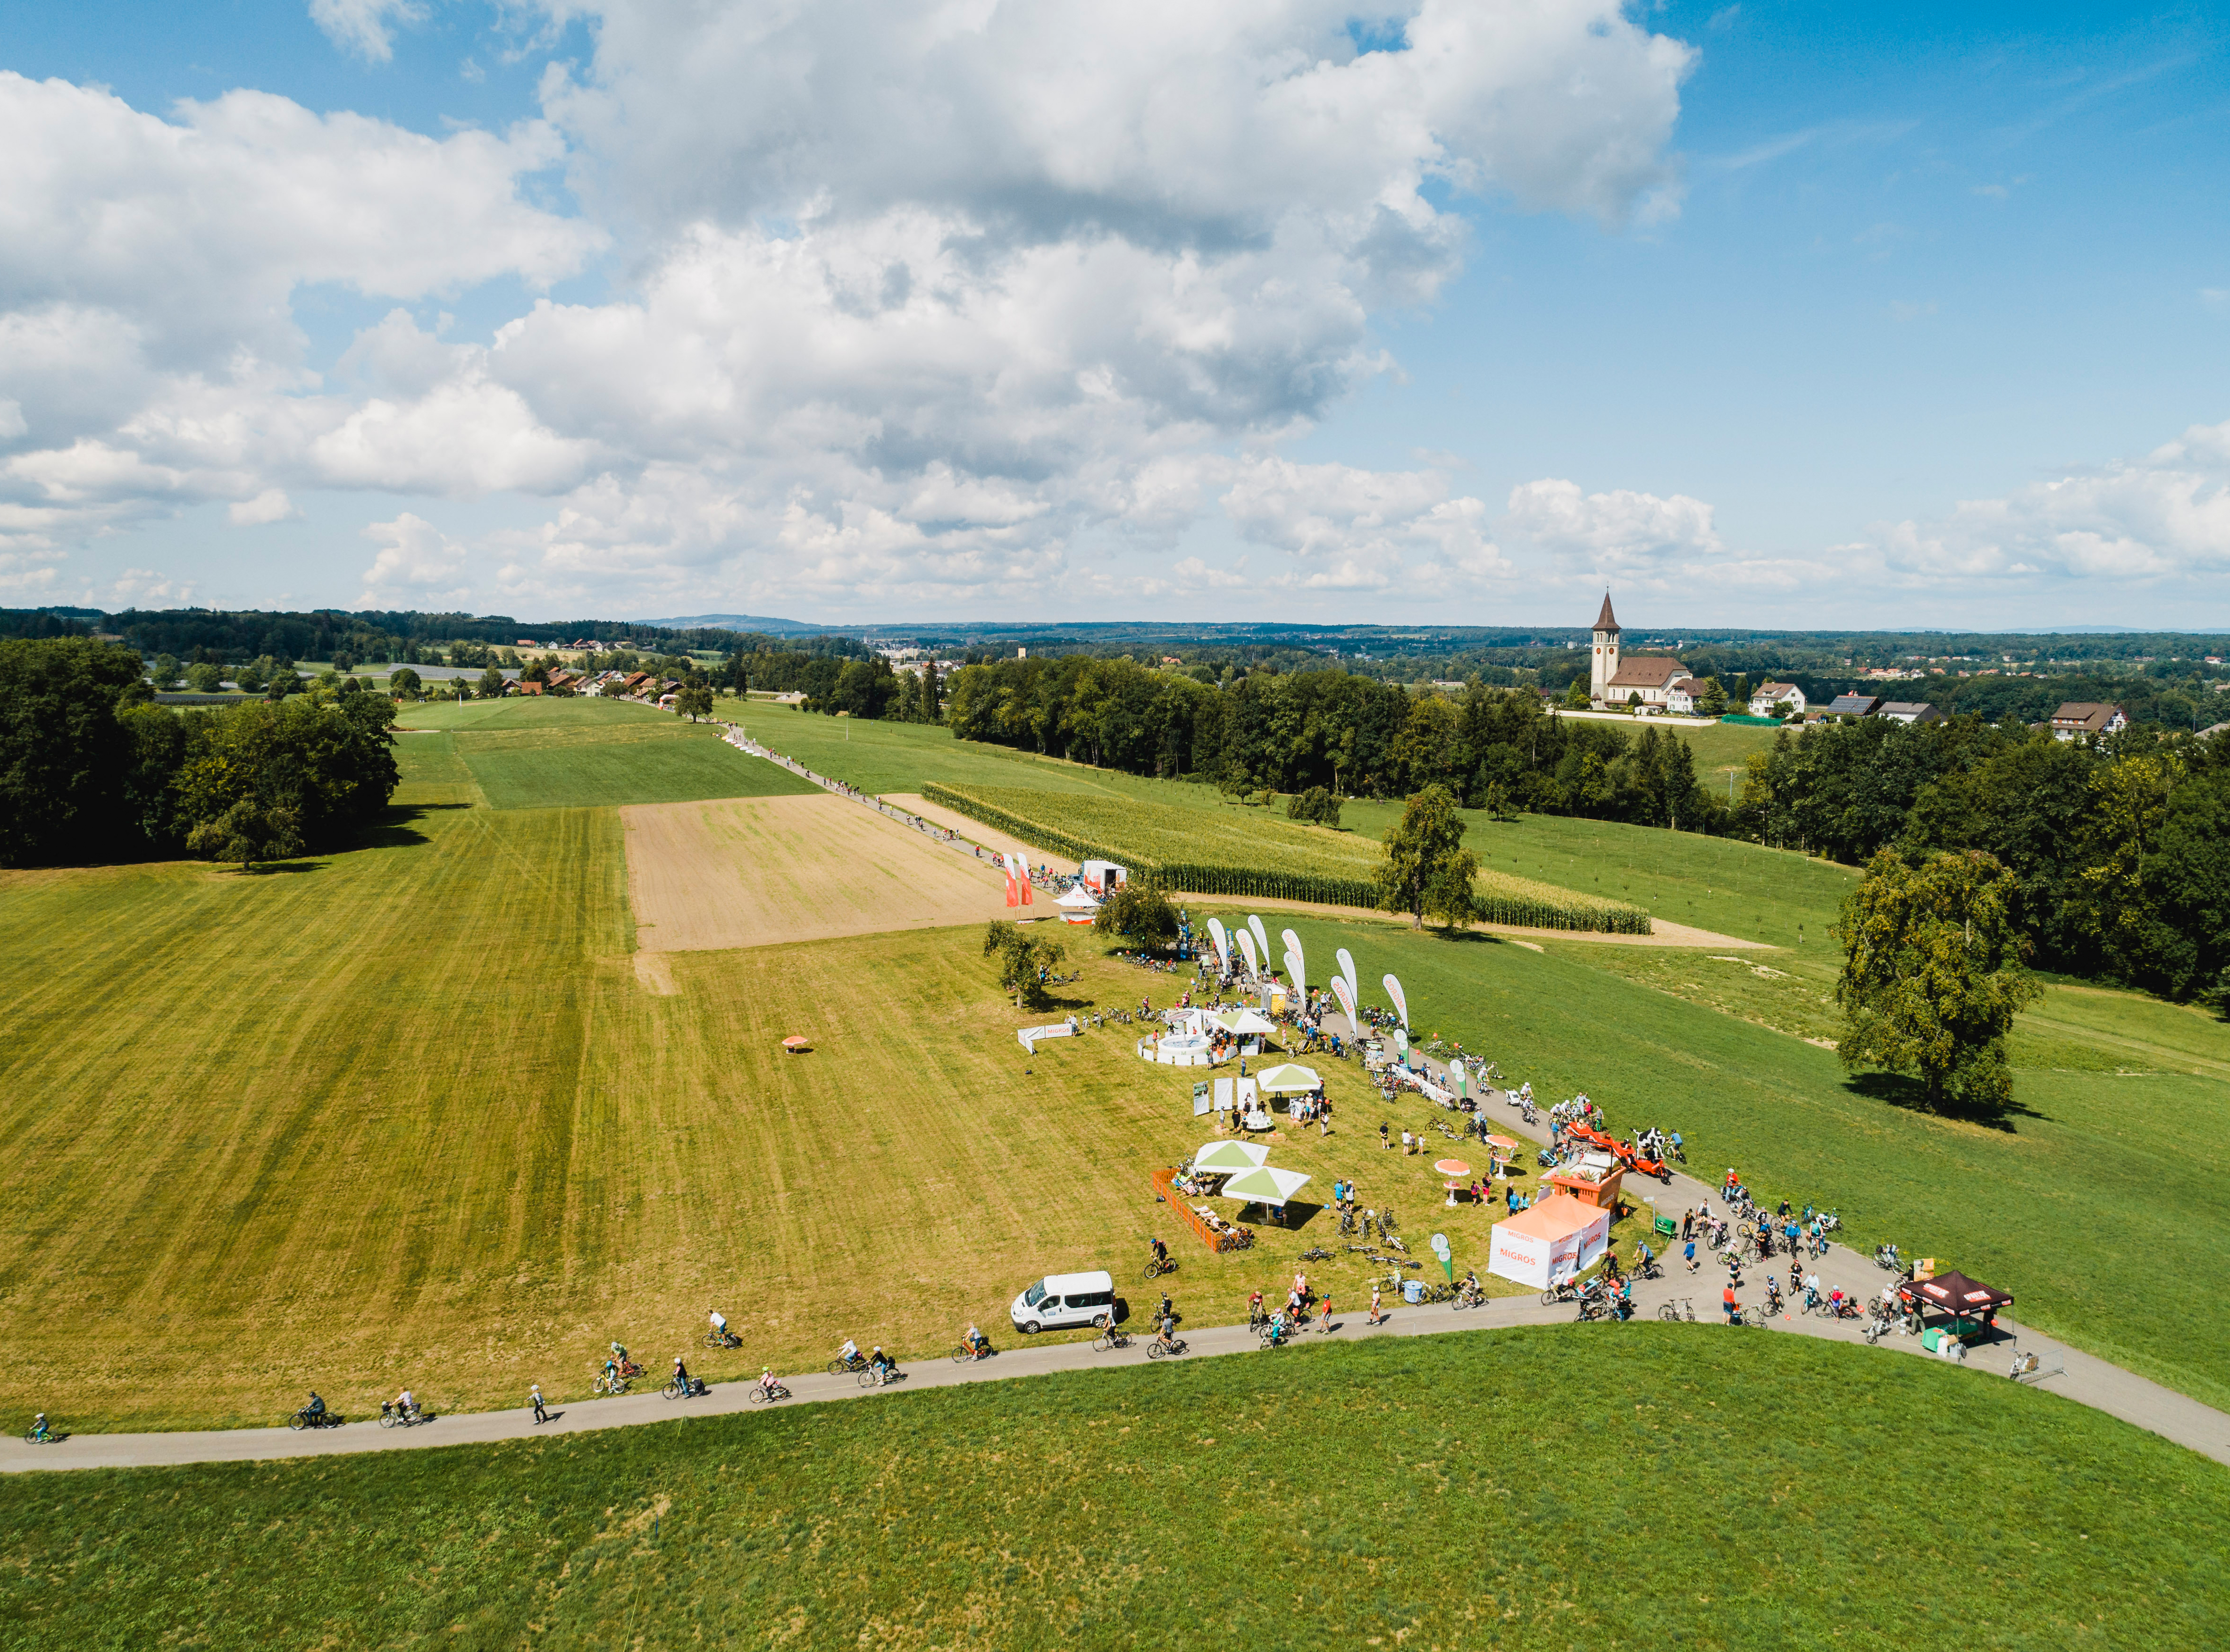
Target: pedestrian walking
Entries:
(1325, 1321)
(535, 1394)
(1377, 1314)
(1692, 1255)
(1384, 1140)
(1727, 1301)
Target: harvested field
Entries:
(758, 871)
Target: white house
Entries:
(2087, 716)
(1764, 698)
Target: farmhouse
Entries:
(1852, 706)
(2087, 716)
(1652, 679)
(1776, 693)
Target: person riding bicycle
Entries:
(40, 1433)
(1161, 1252)
(315, 1411)
(767, 1381)
(681, 1376)
(849, 1353)
(1254, 1314)
(405, 1404)
(719, 1326)
(1772, 1294)
(1812, 1285)
(1643, 1257)
(881, 1364)
(1167, 1335)
(976, 1344)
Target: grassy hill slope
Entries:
(1640, 1486)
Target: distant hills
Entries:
(760, 622)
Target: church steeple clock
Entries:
(1604, 666)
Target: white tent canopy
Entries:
(1291, 1079)
(1267, 1184)
(1231, 1156)
(1247, 1023)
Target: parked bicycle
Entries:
(1675, 1313)
(1316, 1253)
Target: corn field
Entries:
(1203, 851)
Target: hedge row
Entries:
(1526, 912)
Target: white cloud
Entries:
(2164, 517)
(366, 27)
(1617, 533)
(916, 294)
(416, 564)
(270, 505)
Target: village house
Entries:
(2087, 716)
(1852, 706)
(1910, 711)
(1773, 694)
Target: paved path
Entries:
(2087, 1380)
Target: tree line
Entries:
(92, 770)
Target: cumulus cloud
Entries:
(417, 564)
(366, 27)
(270, 505)
(1616, 534)
(916, 295)
(2165, 516)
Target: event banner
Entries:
(1247, 946)
(1401, 1003)
(1300, 981)
(1216, 932)
(1345, 994)
(1261, 936)
(1295, 962)
(1007, 865)
(1347, 969)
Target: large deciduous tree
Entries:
(1025, 958)
(1140, 910)
(1422, 854)
(63, 754)
(1933, 975)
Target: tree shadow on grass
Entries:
(399, 829)
(1910, 1095)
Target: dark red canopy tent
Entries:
(1956, 1293)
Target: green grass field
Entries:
(1630, 1487)
(2093, 1176)
(591, 752)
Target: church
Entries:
(1657, 679)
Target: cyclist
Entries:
(1256, 1317)
(1161, 1252)
(975, 1344)
(40, 1433)
(1167, 1337)
(767, 1383)
(1643, 1258)
(1772, 1294)
(611, 1377)
(681, 1376)
(1166, 1312)
(316, 1408)
(1675, 1140)
(882, 1364)
(849, 1353)
(719, 1327)
(406, 1404)
(1812, 1287)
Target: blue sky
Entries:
(1829, 316)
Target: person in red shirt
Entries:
(1727, 1301)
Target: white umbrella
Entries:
(1219, 1156)
(1266, 1185)
(1291, 1079)
(1247, 1023)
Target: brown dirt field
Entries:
(759, 871)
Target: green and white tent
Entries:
(1265, 1185)
(1227, 1158)
(1289, 1079)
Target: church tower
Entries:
(1604, 666)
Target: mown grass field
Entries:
(591, 752)
(1632, 1486)
(2071, 1201)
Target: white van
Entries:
(1059, 1301)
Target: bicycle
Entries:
(1158, 1266)
(1163, 1347)
(838, 1366)
(1110, 1339)
(1316, 1253)
(760, 1394)
(612, 1384)
(304, 1418)
(677, 1389)
(723, 1340)
(1685, 1311)
(392, 1416)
